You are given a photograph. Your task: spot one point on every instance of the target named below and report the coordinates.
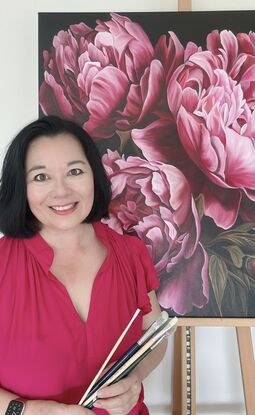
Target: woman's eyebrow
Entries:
(37, 167)
(40, 166)
(76, 161)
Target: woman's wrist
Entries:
(44, 407)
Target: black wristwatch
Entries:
(16, 407)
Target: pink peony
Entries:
(105, 78)
(236, 55)
(215, 123)
(154, 201)
(156, 137)
(159, 140)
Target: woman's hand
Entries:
(39, 407)
(120, 398)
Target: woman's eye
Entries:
(75, 172)
(41, 177)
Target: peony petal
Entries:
(151, 90)
(190, 99)
(108, 89)
(52, 99)
(190, 49)
(230, 45)
(213, 42)
(183, 289)
(189, 129)
(249, 74)
(81, 29)
(206, 61)
(174, 92)
(222, 205)
(170, 56)
(240, 163)
(133, 104)
(159, 141)
(246, 43)
(237, 66)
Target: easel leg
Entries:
(247, 367)
(177, 387)
(190, 371)
(184, 389)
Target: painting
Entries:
(169, 99)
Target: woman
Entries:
(68, 284)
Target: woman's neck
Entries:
(69, 240)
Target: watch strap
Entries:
(16, 406)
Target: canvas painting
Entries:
(169, 99)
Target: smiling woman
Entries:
(59, 182)
(71, 282)
(48, 135)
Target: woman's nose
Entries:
(61, 188)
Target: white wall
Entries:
(219, 387)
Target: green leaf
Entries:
(245, 241)
(242, 236)
(200, 205)
(241, 278)
(236, 255)
(252, 285)
(245, 227)
(218, 273)
(235, 299)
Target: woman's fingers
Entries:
(119, 398)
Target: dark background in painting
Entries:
(188, 26)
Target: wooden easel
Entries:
(184, 375)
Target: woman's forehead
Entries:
(61, 147)
(60, 140)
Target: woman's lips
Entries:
(64, 209)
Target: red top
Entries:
(46, 350)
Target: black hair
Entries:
(16, 218)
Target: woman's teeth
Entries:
(61, 208)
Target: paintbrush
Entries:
(161, 320)
(109, 356)
(167, 329)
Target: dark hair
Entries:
(16, 218)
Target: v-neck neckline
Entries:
(44, 253)
(92, 293)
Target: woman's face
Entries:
(60, 186)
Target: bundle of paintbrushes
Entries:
(161, 328)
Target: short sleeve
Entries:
(146, 275)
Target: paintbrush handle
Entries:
(116, 345)
(132, 366)
(162, 319)
(166, 330)
(123, 374)
(133, 349)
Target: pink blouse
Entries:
(46, 350)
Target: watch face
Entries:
(15, 407)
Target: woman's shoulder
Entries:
(16, 248)
(10, 249)
(9, 246)
(6, 242)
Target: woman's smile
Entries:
(64, 209)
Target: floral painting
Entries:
(169, 99)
